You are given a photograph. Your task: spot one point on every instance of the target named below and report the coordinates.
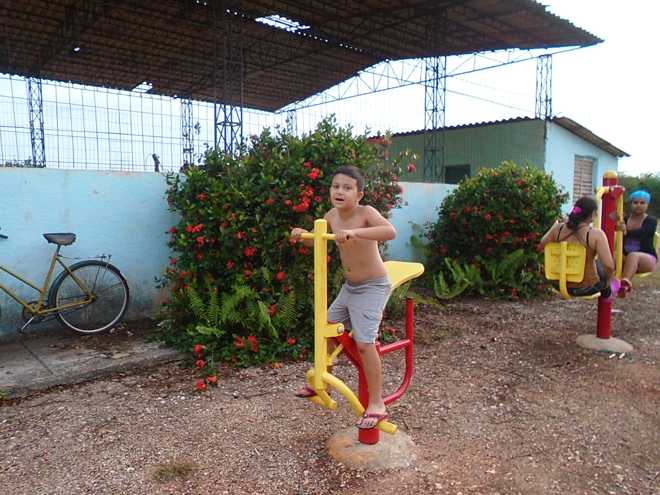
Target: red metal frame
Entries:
(372, 435)
(608, 225)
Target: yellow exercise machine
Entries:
(319, 378)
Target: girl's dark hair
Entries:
(582, 210)
(353, 173)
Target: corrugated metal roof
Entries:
(565, 122)
(193, 48)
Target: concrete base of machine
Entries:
(391, 452)
(594, 343)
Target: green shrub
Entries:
(232, 241)
(484, 240)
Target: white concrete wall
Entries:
(126, 215)
(421, 201)
(561, 148)
(123, 214)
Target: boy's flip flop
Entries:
(377, 416)
(306, 392)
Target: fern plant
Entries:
(463, 276)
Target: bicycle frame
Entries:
(41, 308)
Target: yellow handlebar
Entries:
(310, 235)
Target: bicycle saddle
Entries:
(61, 239)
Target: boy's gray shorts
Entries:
(361, 306)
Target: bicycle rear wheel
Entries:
(98, 313)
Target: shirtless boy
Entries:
(362, 298)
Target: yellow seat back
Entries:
(576, 257)
(656, 245)
(565, 262)
(400, 272)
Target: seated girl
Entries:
(638, 231)
(577, 229)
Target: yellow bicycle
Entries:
(89, 297)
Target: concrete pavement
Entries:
(36, 363)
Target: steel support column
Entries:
(543, 107)
(435, 97)
(292, 122)
(36, 118)
(228, 108)
(187, 131)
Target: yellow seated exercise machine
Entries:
(565, 262)
(319, 378)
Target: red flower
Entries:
(280, 276)
(303, 250)
(308, 192)
(202, 196)
(452, 215)
(272, 309)
(172, 230)
(200, 363)
(412, 167)
(224, 225)
(302, 207)
(198, 349)
(247, 273)
(307, 164)
(200, 240)
(269, 201)
(212, 380)
(291, 341)
(314, 174)
(514, 293)
(249, 251)
(239, 343)
(172, 261)
(199, 256)
(317, 199)
(191, 229)
(230, 265)
(200, 385)
(488, 217)
(253, 343)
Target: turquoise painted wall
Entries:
(420, 204)
(124, 214)
(485, 146)
(562, 147)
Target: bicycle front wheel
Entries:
(92, 298)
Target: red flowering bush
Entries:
(236, 215)
(491, 225)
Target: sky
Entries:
(610, 88)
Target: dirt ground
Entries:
(502, 402)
